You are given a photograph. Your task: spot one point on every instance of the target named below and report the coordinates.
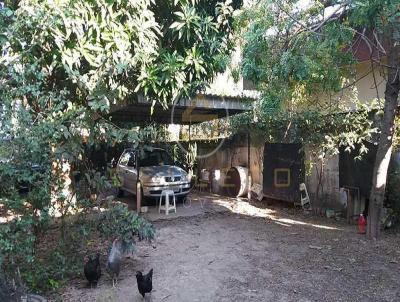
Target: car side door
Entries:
(126, 170)
(131, 174)
(122, 167)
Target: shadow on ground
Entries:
(224, 249)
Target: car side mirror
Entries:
(113, 163)
(132, 163)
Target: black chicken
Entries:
(92, 269)
(144, 282)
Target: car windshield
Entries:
(155, 157)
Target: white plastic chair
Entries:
(168, 206)
(304, 198)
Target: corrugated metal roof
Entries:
(246, 94)
(225, 86)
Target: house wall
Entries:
(323, 190)
(322, 179)
(233, 152)
(369, 85)
(365, 86)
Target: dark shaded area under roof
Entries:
(201, 108)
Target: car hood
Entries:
(159, 171)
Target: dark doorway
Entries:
(357, 172)
(283, 171)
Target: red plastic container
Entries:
(362, 224)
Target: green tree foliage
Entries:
(129, 226)
(63, 66)
(283, 58)
(302, 55)
(300, 67)
(299, 56)
(326, 133)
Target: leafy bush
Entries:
(17, 242)
(36, 263)
(44, 265)
(128, 226)
(52, 271)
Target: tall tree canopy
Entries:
(102, 51)
(63, 64)
(301, 54)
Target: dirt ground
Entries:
(241, 256)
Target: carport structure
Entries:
(185, 111)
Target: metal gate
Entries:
(283, 171)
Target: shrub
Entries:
(128, 226)
(44, 265)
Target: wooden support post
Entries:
(248, 164)
(138, 185)
(138, 196)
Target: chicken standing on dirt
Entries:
(144, 282)
(92, 270)
(114, 261)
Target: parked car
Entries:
(157, 172)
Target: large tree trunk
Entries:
(384, 151)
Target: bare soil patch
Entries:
(235, 257)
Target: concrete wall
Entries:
(322, 180)
(321, 177)
(233, 152)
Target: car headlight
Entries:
(185, 178)
(157, 179)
